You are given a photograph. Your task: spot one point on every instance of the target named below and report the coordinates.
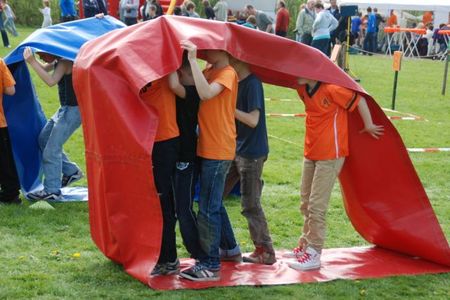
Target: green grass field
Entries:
(48, 254)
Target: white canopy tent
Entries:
(440, 8)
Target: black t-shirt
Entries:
(251, 142)
(209, 12)
(187, 121)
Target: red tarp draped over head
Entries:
(382, 193)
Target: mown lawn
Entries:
(48, 254)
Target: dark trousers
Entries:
(164, 156)
(370, 42)
(249, 172)
(186, 176)
(322, 45)
(306, 39)
(281, 33)
(130, 21)
(5, 38)
(9, 181)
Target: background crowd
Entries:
(318, 23)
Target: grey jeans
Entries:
(249, 172)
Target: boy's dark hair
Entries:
(185, 61)
(190, 6)
(249, 7)
(319, 5)
(177, 11)
(369, 9)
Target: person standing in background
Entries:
(93, 7)
(370, 40)
(221, 10)
(305, 21)
(209, 11)
(334, 10)
(2, 27)
(282, 24)
(68, 12)
(46, 12)
(9, 19)
(322, 26)
(263, 21)
(130, 11)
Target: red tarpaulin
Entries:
(383, 195)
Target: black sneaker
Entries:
(169, 268)
(200, 272)
(11, 201)
(43, 195)
(69, 179)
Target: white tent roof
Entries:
(423, 5)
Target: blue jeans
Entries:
(211, 210)
(51, 140)
(186, 174)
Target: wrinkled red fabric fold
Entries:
(383, 195)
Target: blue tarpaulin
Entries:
(23, 112)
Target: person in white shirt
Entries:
(46, 12)
(221, 10)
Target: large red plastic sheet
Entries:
(383, 195)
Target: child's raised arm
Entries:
(205, 90)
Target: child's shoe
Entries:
(260, 256)
(201, 272)
(310, 260)
(297, 252)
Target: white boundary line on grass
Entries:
(413, 150)
(410, 116)
(303, 115)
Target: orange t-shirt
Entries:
(326, 120)
(162, 99)
(427, 18)
(7, 81)
(217, 136)
(392, 21)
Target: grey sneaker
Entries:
(169, 268)
(200, 272)
(69, 179)
(44, 195)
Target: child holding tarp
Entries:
(326, 146)
(217, 88)
(9, 181)
(59, 171)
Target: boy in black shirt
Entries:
(187, 102)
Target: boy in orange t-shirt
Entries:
(217, 88)
(9, 181)
(326, 146)
(159, 96)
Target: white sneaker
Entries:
(310, 260)
(297, 252)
